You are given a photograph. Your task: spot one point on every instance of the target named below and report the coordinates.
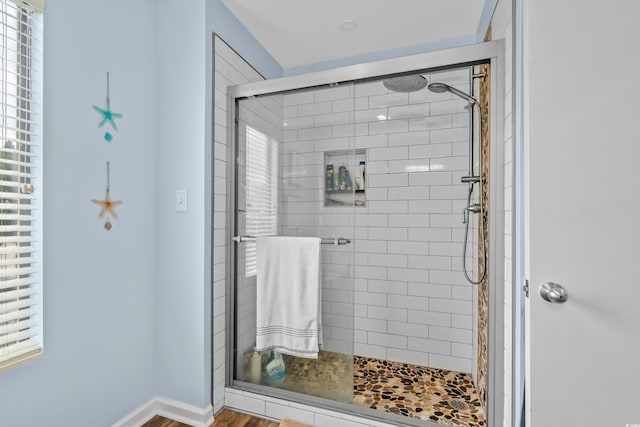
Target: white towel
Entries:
(289, 301)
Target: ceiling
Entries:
(303, 32)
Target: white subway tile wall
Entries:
(502, 28)
(413, 304)
(230, 69)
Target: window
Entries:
(262, 191)
(20, 168)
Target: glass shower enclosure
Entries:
(382, 176)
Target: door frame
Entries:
(520, 295)
(493, 52)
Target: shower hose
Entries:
(466, 220)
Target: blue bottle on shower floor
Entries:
(275, 370)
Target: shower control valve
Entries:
(473, 208)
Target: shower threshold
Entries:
(417, 392)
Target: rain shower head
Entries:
(443, 87)
(405, 84)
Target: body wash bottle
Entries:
(362, 173)
(275, 370)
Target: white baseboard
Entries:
(168, 408)
(138, 417)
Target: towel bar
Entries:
(325, 240)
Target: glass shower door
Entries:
(286, 146)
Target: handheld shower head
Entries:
(443, 87)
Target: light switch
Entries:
(181, 200)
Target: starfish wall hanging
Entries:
(108, 205)
(108, 116)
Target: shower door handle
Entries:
(553, 292)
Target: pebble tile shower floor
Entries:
(418, 392)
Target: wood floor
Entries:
(224, 419)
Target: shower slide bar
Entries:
(325, 240)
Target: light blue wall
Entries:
(184, 121)
(127, 312)
(221, 21)
(181, 327)
(99, 361)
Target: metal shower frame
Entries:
(488, 52)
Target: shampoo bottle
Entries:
(330, 173)
(255, 367)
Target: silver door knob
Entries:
(553, 292)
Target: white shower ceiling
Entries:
(302, 32)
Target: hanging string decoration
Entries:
(108, 205)
(107, 115)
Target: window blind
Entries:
(20, 118)
(261, 193)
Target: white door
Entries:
(582, 133)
